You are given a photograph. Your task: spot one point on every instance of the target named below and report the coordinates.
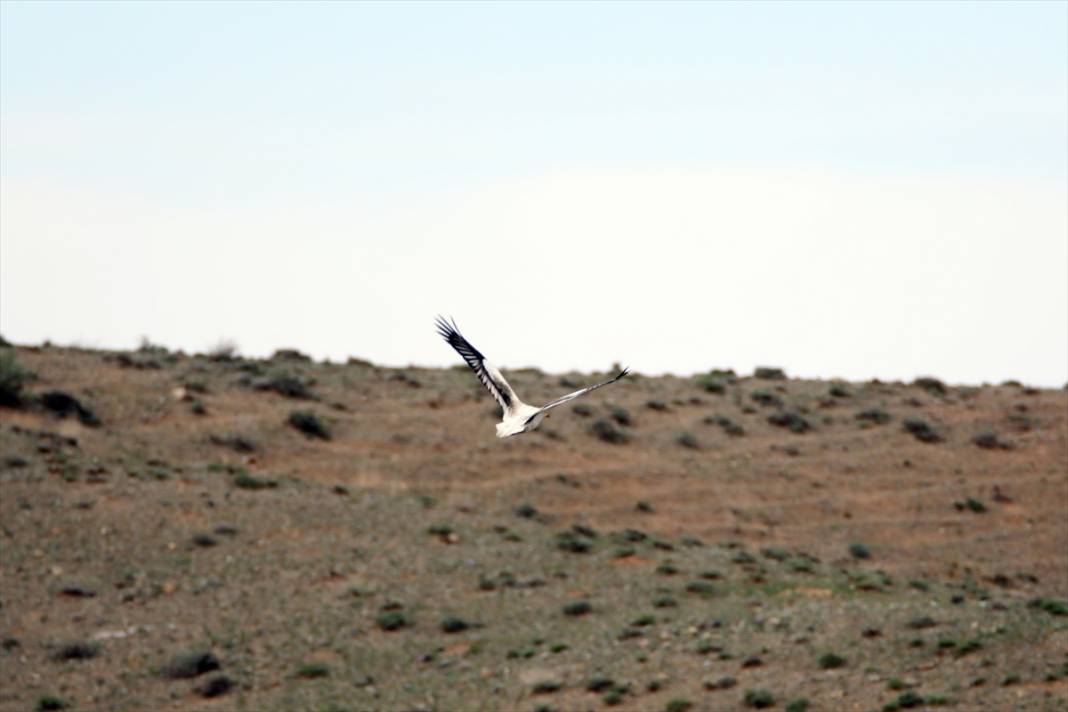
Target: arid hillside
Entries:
(211, 532)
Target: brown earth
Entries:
(715, 566)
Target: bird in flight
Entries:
(518, 416)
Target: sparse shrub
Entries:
(237, 443)
(569, 541)
(621, 415)
(769, 373)
(689, 441)
(970, 504)
(443, 531)
(50, 702)
(189, 665)
(1021, 423)
(577, 608)
(1049, 605)
(921, 622)
(582, 410)
(223, 350)
(922, 430)
(758, 699)
(729, 426)
(64, 404)
(932, 385)
(859, 551)
(969, 646)
(546, 687)
(599, 683)
(284, 384)
(665, 602)
(831, 661)
(12, 378)
(215, 687)
(701, 588)
(526, 511)
(75, 651)
(644, 507)
(678, 704)
(870, 580)
(452, 624)
(766, 398)
(604, 430)
(246, 481)
(839, 390)
(723, 683)
(308, 423)
(793, 421)
(392, 620)
(873, 416)
(204, 540)
(712, 385)
(990, 441)
(310, 671)
(289, 355)
(906, 700)
(798, 705)
(775, 553)
(656, 404)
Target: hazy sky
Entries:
(840, 189)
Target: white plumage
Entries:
(518, 416)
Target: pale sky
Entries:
(849, 190)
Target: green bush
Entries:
(392, 620)
(308, 423)
(12, 378)
(792, 421)
(859, 551)
(577, 608)
(313, 670)
(604, 430)
(922, 430)
(758, 699)
(874, 416)
(689, 441)
(831, 661)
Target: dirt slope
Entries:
(745, 529)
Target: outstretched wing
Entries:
(487, 373)
(584, 391)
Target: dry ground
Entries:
(715, 566)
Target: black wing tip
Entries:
(446, 327)
(624, 372)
